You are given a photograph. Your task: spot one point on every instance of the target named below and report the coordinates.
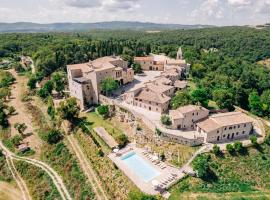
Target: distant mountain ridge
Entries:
(72, 27)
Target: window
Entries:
(157, 104)
(224, 135)
(238, 126)
(230, 128)
(218, 131)
(197, 113)
(234, 127)
(225, 128)
(237, 133)
(243, 132)
(193, 114)
(245, 125)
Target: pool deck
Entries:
(169, 175)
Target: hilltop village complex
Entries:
(154, 96)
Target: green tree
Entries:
(5, 93)
(108, 85)
(53, 136)
(59, 82)
(121, 139)
(16, 140)
(3, 119)
(265, 100)
(32, 82)
(68, 109)
(254, 140)
(201, 165)
(103, 110)
(216, 150)
(199, 95)
(51, 109)
(224, 99)
(198, 70)
(230, 148)
(46, 90)
(20, 127)
(180, 99)
(255, 103)
(166, 120)
(137, 68)
(238, 146)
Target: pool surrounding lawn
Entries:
(140, 167)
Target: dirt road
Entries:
(86, 167)
(21, 116)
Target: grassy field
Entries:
(98, 121)
(60, 158)
(113, 181)
(5, 174)
(239, 177)
(38, 182)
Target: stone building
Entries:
(185, 117)
(84, 79)
(225, 127)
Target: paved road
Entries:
(86, 167)
(54, 176)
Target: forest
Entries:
(224, 60)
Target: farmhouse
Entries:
(155, 62)
(84, 79)
(186, 117)
(226, 126)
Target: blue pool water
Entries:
(140, 167)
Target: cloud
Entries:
(208, 9)
(112, 5)
(239, 3)
(83, 3)
(263, 7)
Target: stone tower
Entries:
(179, 54)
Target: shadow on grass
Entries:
(211, 177)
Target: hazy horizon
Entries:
(186, 12)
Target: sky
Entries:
(212, 12)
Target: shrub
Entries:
(166, 120)
(158, 132)
(11, 110)
(267, 140)
(238, 146)
(121, 139)
(103, 110)
(162, 156)
(32, 82)
(137, 195)
(254, 140)
(216, 150)
(53, 136)
(68, 109)
(230, 148)
(20, 127)
(16, 140)
(201, 165)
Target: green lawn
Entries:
(96, 120)
(238, 176)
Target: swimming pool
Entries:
(140, 167)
